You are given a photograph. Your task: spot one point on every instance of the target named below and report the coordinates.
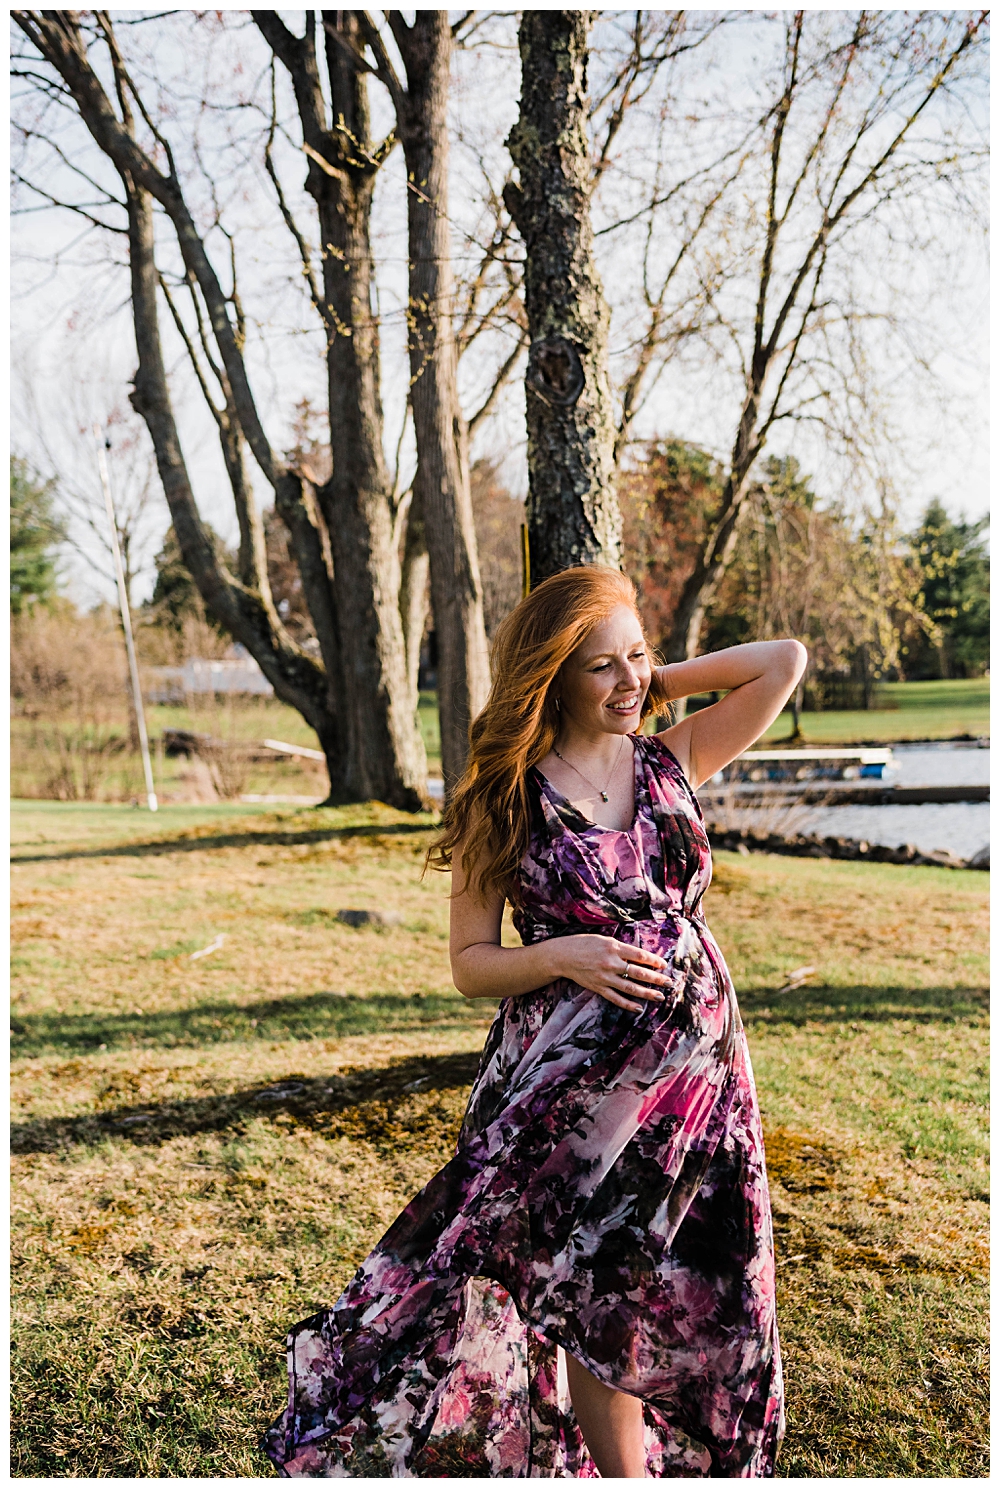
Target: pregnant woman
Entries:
(587, 1288)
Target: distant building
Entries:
(236, 673)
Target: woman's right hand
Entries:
(599, 964)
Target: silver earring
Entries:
(558, 705)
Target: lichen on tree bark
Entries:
(573, 514)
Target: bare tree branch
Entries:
(54, 201)
(305, 257)
(504, 373)
(217, 413)
(61, 43)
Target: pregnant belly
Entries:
(684, 941)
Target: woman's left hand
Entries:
(613, 969)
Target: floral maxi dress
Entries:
(607, 1198)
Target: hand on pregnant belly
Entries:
(616, 971)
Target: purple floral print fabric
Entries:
(607, 1198)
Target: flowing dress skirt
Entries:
(607, 1199)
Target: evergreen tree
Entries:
(34, 532)
(786, 483)
(175, 595)
(955, 589)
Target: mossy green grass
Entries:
(957, 708)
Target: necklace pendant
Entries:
(604, 795)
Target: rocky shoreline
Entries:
(745, 840)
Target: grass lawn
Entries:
(37, 764)
(918, 710)
(430, 727)
(204, 1149)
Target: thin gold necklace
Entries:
(602, 793)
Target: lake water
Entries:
(961, 827)
(939, 764)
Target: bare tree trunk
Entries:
(413, 594)
(359, 700)
(441, 486)
(573, 514)
(356, 502)
(295, 677)
(707, 574)
(797, 697)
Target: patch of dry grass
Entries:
(857, 923)
(205, 1149)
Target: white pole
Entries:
(133, 666)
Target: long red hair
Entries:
(487, 816)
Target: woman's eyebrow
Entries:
(600, 655)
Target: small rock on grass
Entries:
(381, 918)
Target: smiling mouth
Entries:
(627, 705)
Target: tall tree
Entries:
(847, 586)
(441, 503)
(572, 509)
(357, 502)
(356, 695)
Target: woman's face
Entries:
(603, 683)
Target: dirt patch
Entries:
(801, 1164)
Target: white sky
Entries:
(73, 350)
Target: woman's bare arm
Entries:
(482, 967)
(758, 678)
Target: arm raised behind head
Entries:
(758, 680)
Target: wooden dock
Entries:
(840, 793)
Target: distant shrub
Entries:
(70, 737)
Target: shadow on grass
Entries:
(320, 1015)
(360, 1103)
(865, 1004)
(225, 839)
(338, 1015)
